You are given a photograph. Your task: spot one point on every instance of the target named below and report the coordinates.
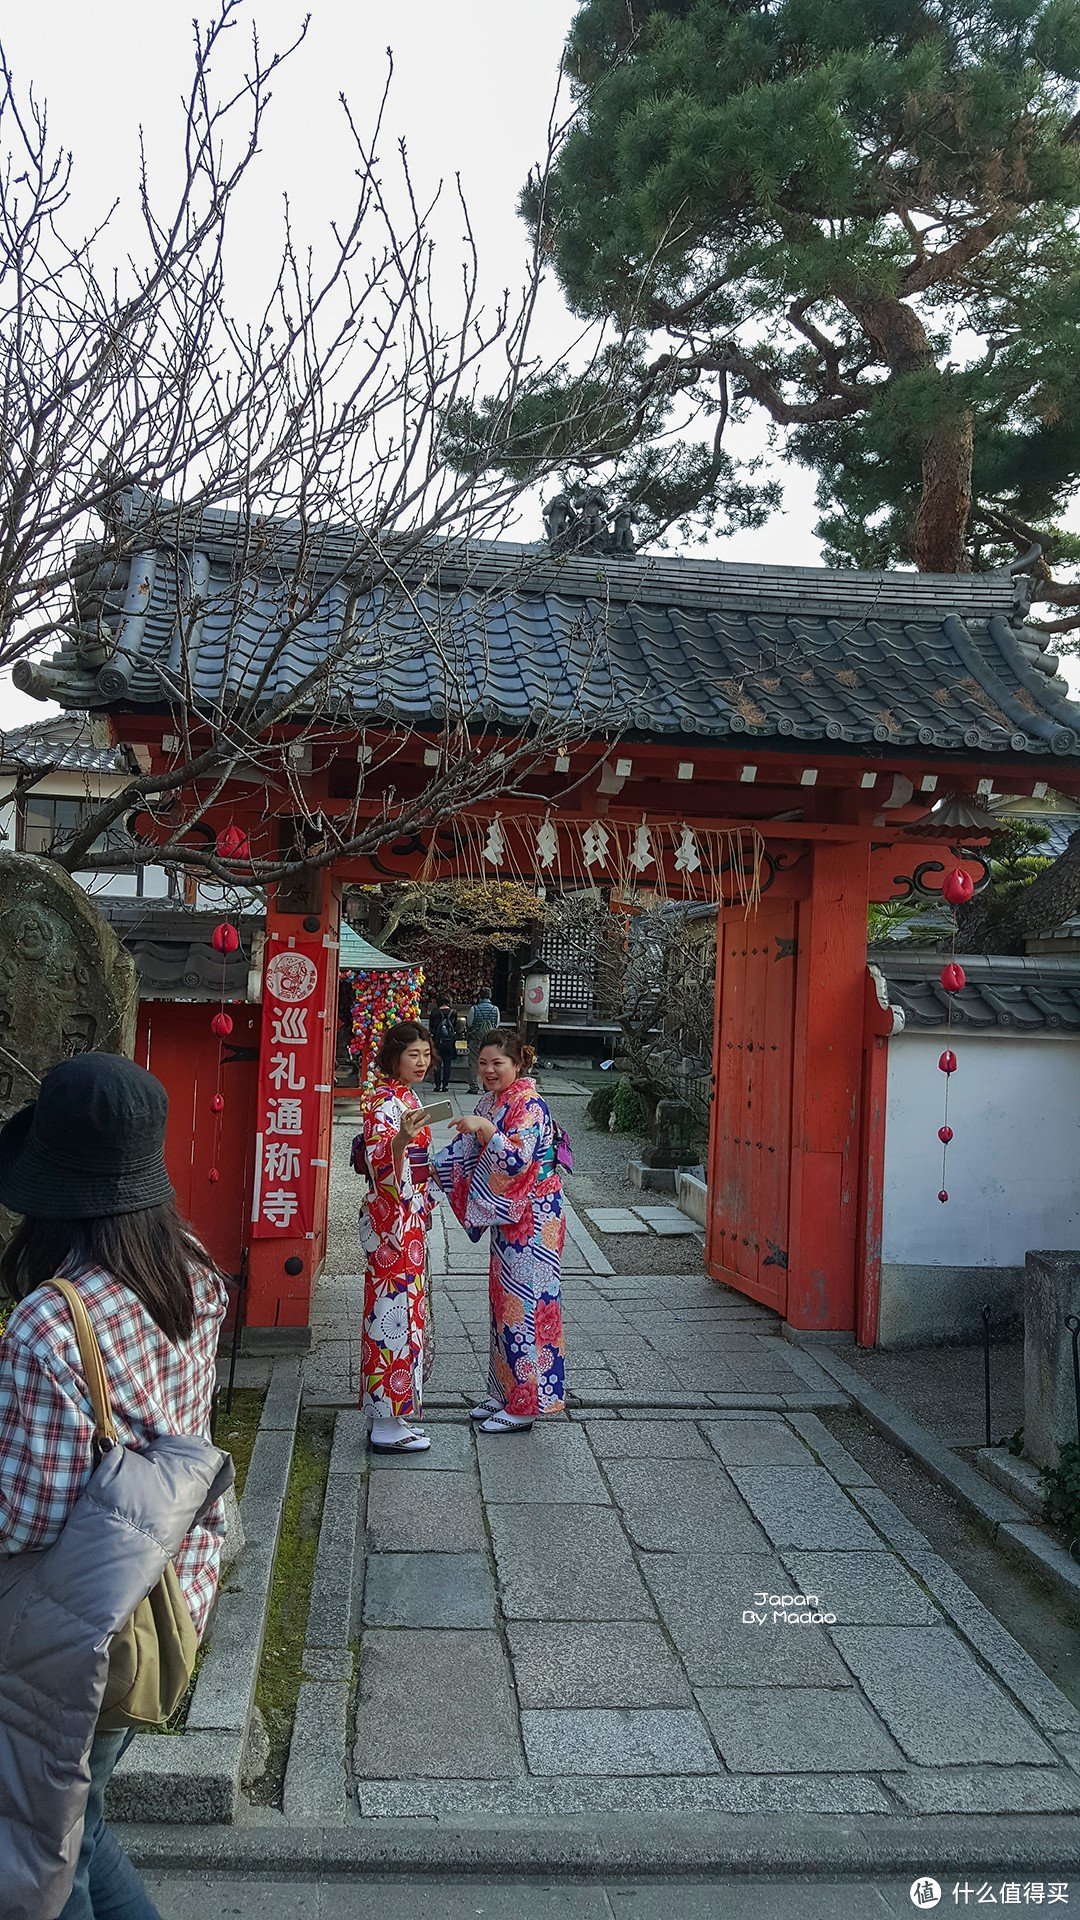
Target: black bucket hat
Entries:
(91, 1144)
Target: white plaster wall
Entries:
(1014, 1165)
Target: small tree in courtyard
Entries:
(152, 403)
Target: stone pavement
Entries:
(192, 1896)
(683, 1598)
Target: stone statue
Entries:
(66, 984)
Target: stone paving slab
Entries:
(566, 1563)
(797, 1730)
(804, 1507)
(684, 1509)
(643, 1796)
(467, 1721)
(942, 1707)
(701, 1599)
(862, 1589)
(594, 1664)
(845, 1471)
(635, 1741)
(615, 1220)
(755, 1443)
(667, 1222)
(646, 1440)
(542, 1467)
(439, 1513)
(987, 1790)
(428, 1590)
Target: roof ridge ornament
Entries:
(581, 521)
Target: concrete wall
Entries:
(1013, 1177)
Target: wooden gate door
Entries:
(750, 1145)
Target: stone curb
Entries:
(195, 1775)
(316, 1775)
(808, 1845)
(1008, 1523)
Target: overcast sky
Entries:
(473, 91)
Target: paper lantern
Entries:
(957, 887)
(232, 844)
(953, 977)
(222, 1026)
(225, 938)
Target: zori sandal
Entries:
(408, 1443)
(485, 1410)
(500, 1423)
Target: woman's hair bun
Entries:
(528, 1058)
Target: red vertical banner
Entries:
(292, 1061)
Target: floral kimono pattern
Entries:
(513, 1187)
(395, 1356)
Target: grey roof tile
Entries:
(1018, 995)
(661, 645)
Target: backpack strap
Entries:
(92, 1365)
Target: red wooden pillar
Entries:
(827, 1091)
(294, 1111)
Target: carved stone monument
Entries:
(66, 984)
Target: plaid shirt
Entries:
(47, 1421)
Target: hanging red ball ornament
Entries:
(943, 1196)
(224, 938)
(213, 1176)
(221, 1025)
(947, 1063)
(232, 844)
(217, 1104)
(957, 887)
(944, 1134)
(953, 977)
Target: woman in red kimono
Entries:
(394, 1221)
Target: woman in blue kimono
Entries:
(502, 1175)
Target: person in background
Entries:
(444, 1035)
(502, 1174)
(481, 1019)
(85, 1168)
(394, 1220)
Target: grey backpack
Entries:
(59, 1609)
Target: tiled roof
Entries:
(172, 952)
(1024, 996)
(665, 647)
(64, 745)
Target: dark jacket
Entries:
(444, 1032)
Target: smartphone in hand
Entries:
(442, 1110)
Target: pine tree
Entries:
(857, 216)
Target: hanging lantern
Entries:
(222, 1026)
(225, 938)
(957, 887)
(232, 844)
(947, 1062)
